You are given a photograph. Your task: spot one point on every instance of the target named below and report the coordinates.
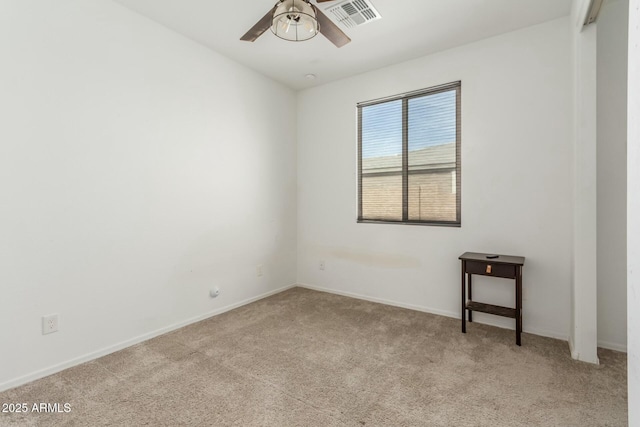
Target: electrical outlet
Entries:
(259, 272)
(49, 324)
(322, 265)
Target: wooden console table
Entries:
(506, 266)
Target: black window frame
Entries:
(405, 97)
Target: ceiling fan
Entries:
(297, 20)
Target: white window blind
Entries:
(409, 158)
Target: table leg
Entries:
(469, 295)
(518, 304)
(464, 298)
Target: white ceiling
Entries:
(408, 29)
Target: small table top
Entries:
(501, 259)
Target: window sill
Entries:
(431, 223)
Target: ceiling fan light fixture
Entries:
(295, 20)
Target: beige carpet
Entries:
(305, 358)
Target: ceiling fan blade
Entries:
(260, 27)
(331, 30)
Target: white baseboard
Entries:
(128, 343)
(601, 344)
(431, 310)
(572, 348)
(613, 346)
(575, 354)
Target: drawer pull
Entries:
(488, 268)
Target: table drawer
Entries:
(489, 269)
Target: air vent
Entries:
(352, 13)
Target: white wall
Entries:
(612, 174)
(517, 177)
(137, 170)
(633, 215)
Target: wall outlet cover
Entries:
(50, 324)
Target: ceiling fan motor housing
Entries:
(295, 20)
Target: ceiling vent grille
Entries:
(352, 13)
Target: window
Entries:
(409, 158)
